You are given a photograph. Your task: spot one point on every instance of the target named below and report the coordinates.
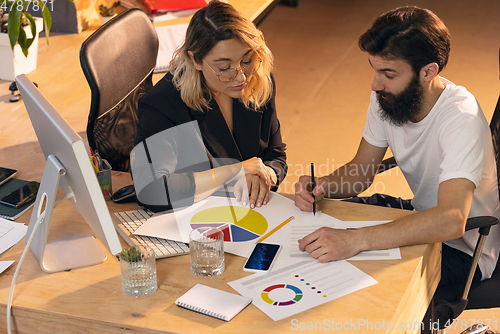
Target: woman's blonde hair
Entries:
(216, 22)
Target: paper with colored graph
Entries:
(241, 225)
(300, 286)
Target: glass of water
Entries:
(138, 271)
(206, 248)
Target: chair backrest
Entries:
(118, 61)
(495, 130)
(495, 135)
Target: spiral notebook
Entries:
(213, 302)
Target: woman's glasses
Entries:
(247, 68)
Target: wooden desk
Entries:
(90, 300)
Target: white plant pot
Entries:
(15, 63)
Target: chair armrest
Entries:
(446, 311)
(387, 164)
(482, 222)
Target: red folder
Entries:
(164, 6)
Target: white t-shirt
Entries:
(452, 141)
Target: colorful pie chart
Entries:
(298, 295)
(239, 224)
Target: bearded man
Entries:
(440, 139)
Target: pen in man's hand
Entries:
(313, 185)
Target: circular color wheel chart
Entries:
(239, 224)
(265, 294)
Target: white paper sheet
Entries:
(10, 233)
(298, 229)
(298, 287)
(4, 265)
(177, 225)
(245, 225)
(170, 38)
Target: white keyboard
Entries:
(129, 221)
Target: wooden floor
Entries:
(323, 80)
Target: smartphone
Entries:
(262, 257)
(22, 195)
(6, 174)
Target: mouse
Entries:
(125, 195)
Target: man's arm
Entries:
(347, 181)
(446, 221)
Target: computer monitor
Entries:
(67, 166)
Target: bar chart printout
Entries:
(300, 286)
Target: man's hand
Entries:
(328, 244)
(303, 198)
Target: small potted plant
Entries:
(138, 271)
(18, 18)
(132, 254)
(19, 33)
(107, 13)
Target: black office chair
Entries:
(118, 61)
(449, 302)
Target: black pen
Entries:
(313, 185)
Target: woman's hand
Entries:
(255, 166)
(253, 186)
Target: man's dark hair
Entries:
(410, 33)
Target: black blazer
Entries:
(256, 132)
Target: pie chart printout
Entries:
(295, 291)
(239, 224)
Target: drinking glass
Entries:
(206, 248)
(138, 271)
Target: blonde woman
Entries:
(220, 80)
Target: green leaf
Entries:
(33, 29)
(14, 25)
(23, 41)
(47, 21)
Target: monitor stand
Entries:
(76, 251)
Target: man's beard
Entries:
(401, 108)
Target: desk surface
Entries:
(90, 300)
